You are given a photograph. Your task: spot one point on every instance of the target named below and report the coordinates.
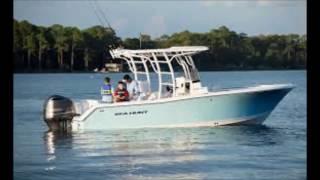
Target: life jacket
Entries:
(106, 89)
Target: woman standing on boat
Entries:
(106, 91)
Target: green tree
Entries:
(131, 43)
(43, 45)
(86, 59)
(61, 43)
(27, 31)
(59, 46)
(31, 47)
(17, 44)
(75, 39)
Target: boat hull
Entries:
(251, 107)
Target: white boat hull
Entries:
(228, 107)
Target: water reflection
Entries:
(128, 152)
(168, 153)
(50, 142)
(142, 144)
(150, 141)
(52, 139)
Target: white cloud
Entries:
(208, 3)
(275, 3)
(156, 26)
(228, 3)
(261, 3)
(213, 3)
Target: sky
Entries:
(129, 18)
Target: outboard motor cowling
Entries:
(58, 112)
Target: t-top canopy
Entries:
(155, 57)
(175, 49)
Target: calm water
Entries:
(275, 150)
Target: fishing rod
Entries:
(95, 12)
(103, 20)
(102, 14)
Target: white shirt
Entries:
(133, 89)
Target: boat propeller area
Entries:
(58, 112)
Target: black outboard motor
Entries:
(58, 112)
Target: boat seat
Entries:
(153, 96)
(144, 88)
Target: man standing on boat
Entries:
(132, 87)
(106, 91)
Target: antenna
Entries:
(95, 12)
(102, 14)
(103, 20)
(140, 39)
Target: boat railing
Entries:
(240, 87)
(159, 57)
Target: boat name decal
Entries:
(131, 113)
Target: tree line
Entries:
(67, 49)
